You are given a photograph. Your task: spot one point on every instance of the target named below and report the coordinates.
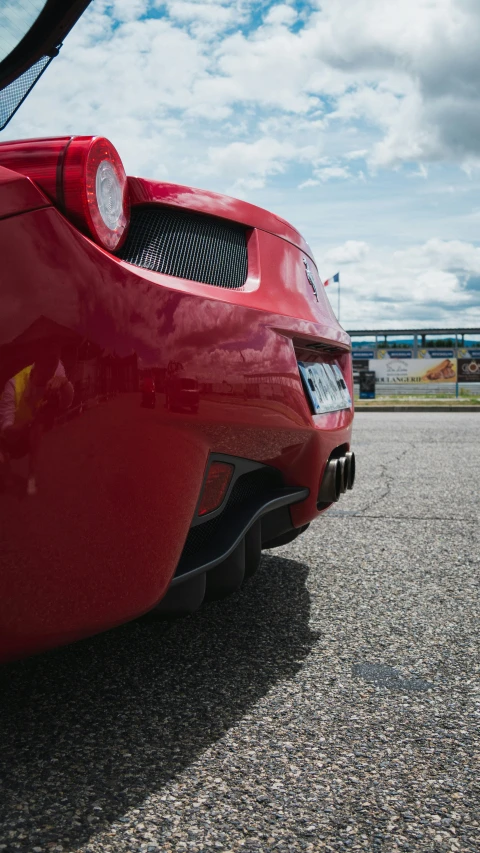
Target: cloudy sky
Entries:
(356, 120)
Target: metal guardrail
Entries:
(416, 389)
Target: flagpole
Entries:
(335, 280)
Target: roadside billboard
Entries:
(401, 352)
(447, 352)
(468, 370)
(412, 370)
(362, 354)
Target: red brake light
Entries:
(95, 189)
(216, 487)
(83, 175)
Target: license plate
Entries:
(325, 387)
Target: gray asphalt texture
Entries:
(332, 704)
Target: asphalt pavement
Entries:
(332, 704)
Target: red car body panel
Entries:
(205, 201)
(118, 482)
(19, 194)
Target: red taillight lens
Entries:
(38, 159)
(216, 487)
(83, 175)
(95, 189)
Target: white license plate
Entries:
(325, 387)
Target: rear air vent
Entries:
(187, 245)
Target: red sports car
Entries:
(176, 393)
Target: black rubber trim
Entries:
(236, 527)
(44, 37)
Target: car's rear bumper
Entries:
(118, 482)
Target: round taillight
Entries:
(84, 177)
(95, 190)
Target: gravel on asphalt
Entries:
(332, 704)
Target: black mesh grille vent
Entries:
(248, 486)
(187, 245)
(13, 95)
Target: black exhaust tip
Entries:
(330, 489)
(350, 467)
(339, 475)
(343, 468)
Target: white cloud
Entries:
(443, 254)
(205, 19)
(248, 164)
(348, 253)
(310, 182)
(428, 283)
(327, 173)
(408, 71)
(281, 14)
(129, 10)
(361, 154)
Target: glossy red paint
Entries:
(18, 194)
(118, 479)
(277, 263)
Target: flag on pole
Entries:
(334, 280)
